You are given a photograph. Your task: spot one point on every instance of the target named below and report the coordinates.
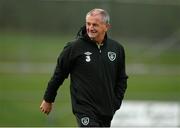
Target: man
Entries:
(96, 65)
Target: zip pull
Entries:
(99, 47)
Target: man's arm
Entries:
(61, 72)
(121, 84)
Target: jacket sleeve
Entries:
(61, 72)
(121, 83)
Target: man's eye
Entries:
(88, 24)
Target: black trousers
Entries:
(84, 120)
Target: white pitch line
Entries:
(46, 68)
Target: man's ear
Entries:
(108, 26)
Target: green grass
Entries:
(142, 52)
(154, 87)
(33, 48)
(20, 98)
(21, 93)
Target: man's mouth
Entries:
(93, 32)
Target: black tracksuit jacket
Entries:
(98, 77)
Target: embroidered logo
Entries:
(85, 121)
(88, 58)
(112, 56)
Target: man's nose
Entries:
(91, 26)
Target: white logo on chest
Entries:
(112, 56)
(88, 58)
(85, 120)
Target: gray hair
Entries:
(103, 13)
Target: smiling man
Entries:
(96, 65)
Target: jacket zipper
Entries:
(99, 47)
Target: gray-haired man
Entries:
(96, 65)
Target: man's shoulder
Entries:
(74, 42)
(75, 45)
(115, 43)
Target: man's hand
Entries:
(46, 107)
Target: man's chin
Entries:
(92, 37)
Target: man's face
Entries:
(95, 27)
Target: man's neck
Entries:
(99, 40)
